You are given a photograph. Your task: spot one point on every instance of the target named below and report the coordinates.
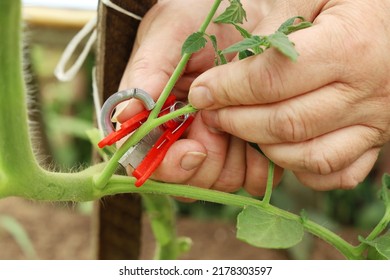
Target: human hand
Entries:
(325, 116)
(206, 158)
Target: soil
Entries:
(62, 231)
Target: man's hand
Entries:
(325, 116)
(206, 158)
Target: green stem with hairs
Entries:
(13, 107)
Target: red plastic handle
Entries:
(155, 156)
(132, 124)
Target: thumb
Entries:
(269, 77)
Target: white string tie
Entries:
(89, 28)
(114, 6)
(68, 75)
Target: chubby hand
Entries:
(325, 116)
(207, 157)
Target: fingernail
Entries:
(119, 109)
(192, 160)
(200, 97)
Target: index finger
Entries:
(271, 76)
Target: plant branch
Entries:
(380, 227)
(181, 65)
(121, 184)
(270, 182)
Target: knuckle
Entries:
(227, 122)
(286, 125)
(230, 180)
(142, 66)
(349, 180)
(323, 161)
(227, 93)
(265, 81)
(254, 188)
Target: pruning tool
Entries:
(145, 156)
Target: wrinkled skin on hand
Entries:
(324, 117)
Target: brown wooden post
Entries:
(117, 218)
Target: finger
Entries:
(232, 176)
(216, 145)
(346, 178)
(257, 172)
(294, 120)
(181, 161)
(326, 154)
(158, 50)
(271, 76)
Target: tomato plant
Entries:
(260, 223)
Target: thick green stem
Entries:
(15, 148)
(16, 155)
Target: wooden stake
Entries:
(117, 222)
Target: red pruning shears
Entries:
(147, 155)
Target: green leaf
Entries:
(381, 245)
(219, 57)
(247, 43)
(222, 58)
(285, 25)
(288, 26)
(304, 216)
(386, 181)
(195, 42)
(17, 231)
(213, 40)
(234, 13)
(262, 229)
(282, 43)
(256, 147)
(385, 189)
(243, 55)
(373, 254)
(244, 33)
(94, 136)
